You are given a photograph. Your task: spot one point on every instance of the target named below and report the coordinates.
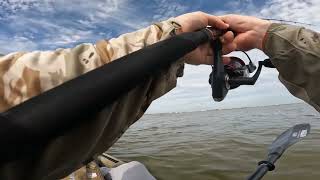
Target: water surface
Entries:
(222, 144)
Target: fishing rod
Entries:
(28, 127)
(236, 73)
(278, 147)
(287, 21)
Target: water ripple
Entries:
(222, 145)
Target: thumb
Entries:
(209, 60)
(243, 42)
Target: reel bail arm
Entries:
(227, 77)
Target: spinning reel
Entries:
(232, 75)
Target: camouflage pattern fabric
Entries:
(27, 74)
(295, 51)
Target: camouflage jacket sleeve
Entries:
(295, 51)
(24, 75)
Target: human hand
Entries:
(250, 31)
(198, 20)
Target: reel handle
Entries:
(218, 78)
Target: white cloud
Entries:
(81, 21)
(17, 5)
(43, 20)
(193, 91)
(246, 7)
(54, 34)
(39, 24)
(305, 11)
(19, 43)
(166, 9)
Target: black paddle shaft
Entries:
(30, 125)
(278, 147)
(264, 167)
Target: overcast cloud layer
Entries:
(48, 24)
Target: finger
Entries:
(225, 18)
(236, 22)
(216, 22)
(226, 60)
(209, 60)
(228, 37)
(242, 42)
(228, 48)
(206, 48)
(210, 51)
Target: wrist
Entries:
(192, 21)
(168, 28)
(262, 32)
(181, 22)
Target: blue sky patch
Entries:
(28, 25)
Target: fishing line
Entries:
(288, 21)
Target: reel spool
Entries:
(232, 75)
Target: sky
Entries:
(27, 25)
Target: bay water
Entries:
(221, 144)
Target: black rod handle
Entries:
(30, 125)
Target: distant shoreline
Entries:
(227, 109)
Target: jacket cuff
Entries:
(266, 40)
(168, 28)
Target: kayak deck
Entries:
(104, 160)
